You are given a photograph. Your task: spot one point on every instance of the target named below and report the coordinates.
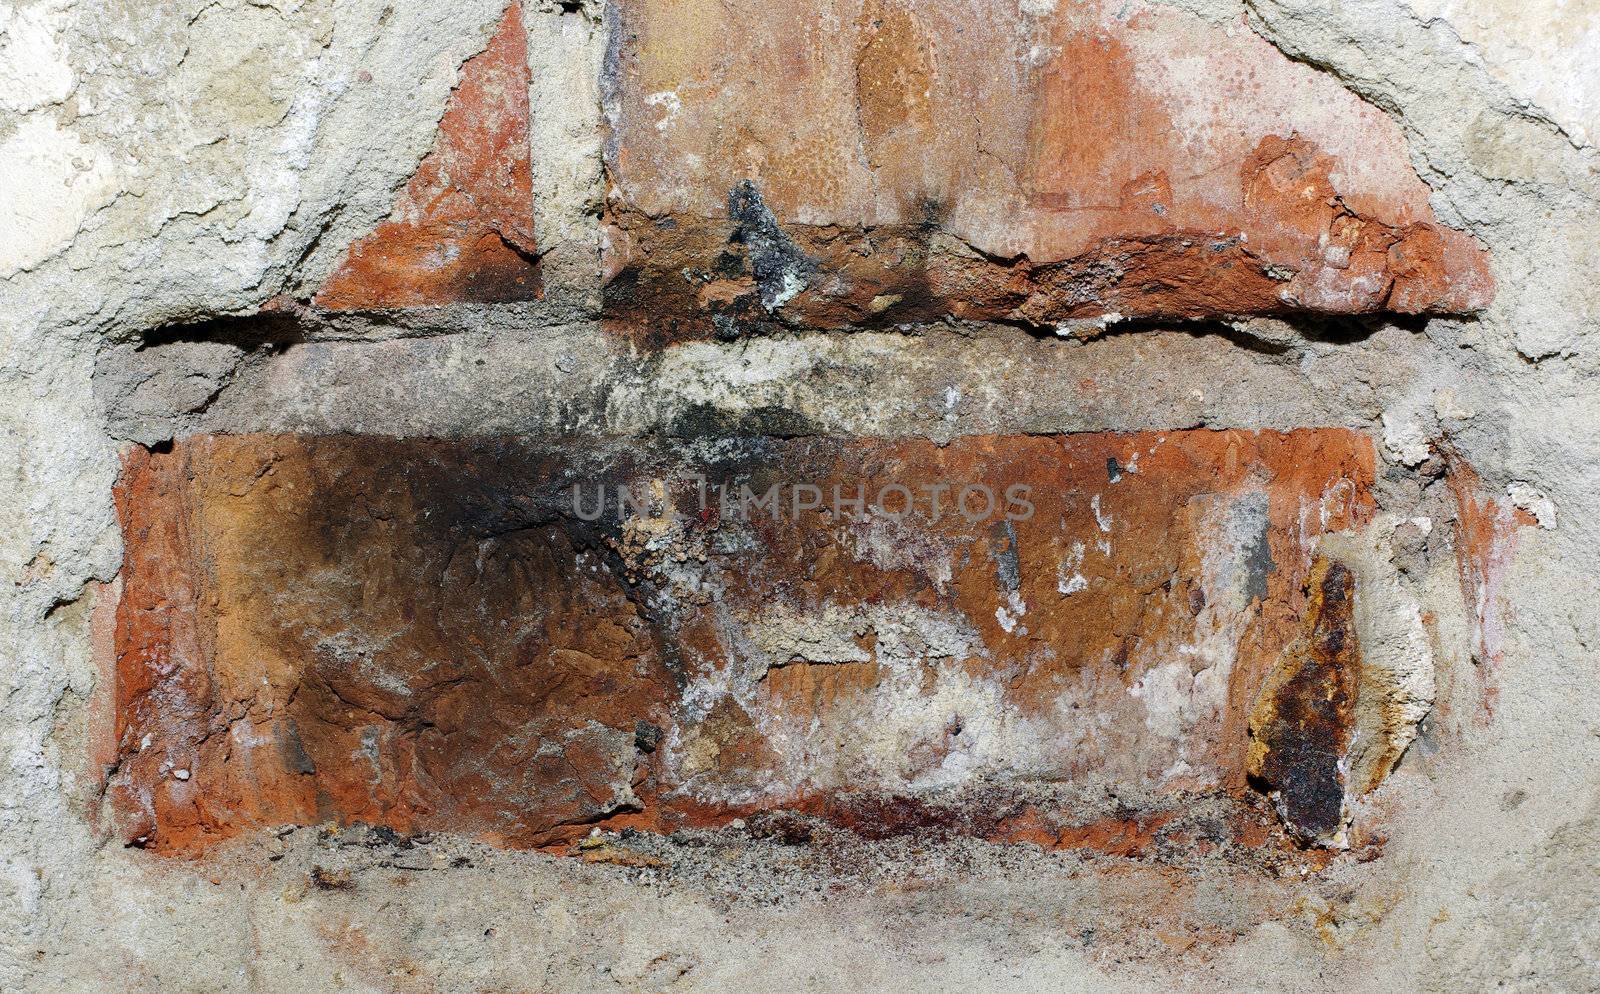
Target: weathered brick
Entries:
(429, 634)
(462, 230)
(872, 161)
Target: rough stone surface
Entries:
(183, 178)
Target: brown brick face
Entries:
(432, 634)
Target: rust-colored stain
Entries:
(432, 634)
(910, 161)
(1486, 539)
(462, 231)
(1302, 722)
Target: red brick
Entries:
(462, 230)
(422, 634)
(915, 160)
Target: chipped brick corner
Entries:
(462, 229)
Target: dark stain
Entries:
(502, 272)
(325, 879)
(294, 751)
(646, 736)
(709, 421)
(877, 816)
(1258, 562)
(932, 214)
(1003, 547)
(780, 268)
(1303, 719)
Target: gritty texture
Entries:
(463, 228)
(1116, 160)
(283, 649)
(183, 178)
(1300, 726)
